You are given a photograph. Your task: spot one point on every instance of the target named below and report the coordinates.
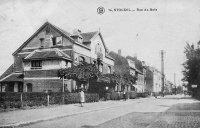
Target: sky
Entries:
(137, 33)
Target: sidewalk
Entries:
(24, 117)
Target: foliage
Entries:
(128, 79)
(13, 100)
(122, 69)
(121, 65)
(132, 94)
(191, 66)
(138, 63)
(82, 72)
(119, 95)
(114, 78)
(142, 94)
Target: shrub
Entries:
(72, 98)
(34, 99)
(91, 97)
(107, 96)
(114, 95)
(56, 98)
(132, 95)
(13, 100)
(142, 94)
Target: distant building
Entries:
(37, 60)
(149, 79)
(168, 86)
(137, 68)
(121, 67)
(157, 80)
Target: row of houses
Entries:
(50, 48)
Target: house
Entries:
(157, 80)
(50, 48)
(149, 79)
(168, 86)
(138, 69)
(121, 67)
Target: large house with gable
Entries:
(138, 69)
(37, 60)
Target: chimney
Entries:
(76, 31)
(120, 52)
(143, 64)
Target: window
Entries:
(36, 64)
(98, 48)
(54, 41)
(42, 42)
(109, 69)
(81, 59)
(29, 87)
(57, 40)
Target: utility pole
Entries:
(175, 82)
(162, 71)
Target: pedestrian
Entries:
(155, 94)
(82, 97)
(124, 95)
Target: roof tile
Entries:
(88, 36)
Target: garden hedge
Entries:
(142, 94)
(13, 100)
(119, 95)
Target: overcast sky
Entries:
(138, 33)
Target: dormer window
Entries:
(80, 39)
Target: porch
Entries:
(12, 83)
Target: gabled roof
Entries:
(88, 36)
(47, 54)
(108, 56)
(66, 34)
(7, 72)
(138, 64)
(61, 30)
(15, 77)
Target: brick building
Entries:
(37, 60)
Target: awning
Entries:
(14, 77)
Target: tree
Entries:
(128, 80)
(191, 66)
(81, 73)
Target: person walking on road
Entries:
(82, 97)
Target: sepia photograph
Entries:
(99, 64)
